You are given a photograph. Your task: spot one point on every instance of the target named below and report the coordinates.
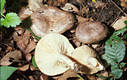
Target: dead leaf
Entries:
(26, 37)
(31, 78)
(32, 68)
(17, 35)
(23, 42)
(119, 24)
(24, 13)
(24, 68)
(68, 74)
(34, 4)
(31, 46)
(43, 77)
(9, 48)
(28, 57)
(81, 19)
(13, 55)
(70, 8)
(19, 30)
(91, 77)
(124, 3)
(105, 74)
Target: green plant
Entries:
(37, 37)
(10, 19)
(115, 53)
(6, 72)
(33, 62)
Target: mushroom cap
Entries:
(91, 32)
(50, 54)
(51, 19)
(86, 56)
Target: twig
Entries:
(118, 7)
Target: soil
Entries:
(105, 11)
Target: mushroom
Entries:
(88, 58)
(51, 19)
(50, 54)
(119, 24)
(90, 32)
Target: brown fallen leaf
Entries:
(91, 77)
(18, 34)
(43, 77)
(26, 37)
(24, 13)
(16, 37)
(24, 68)
(31, 46)
(31, 78)
(124, 3)
(32, 68)
(19, 30)
(105, 74)
(68, 74)
(13, 55)
(82, 19)
(9, 48)
(23, 41)
(28, 57)
(119, 24)
(70, 8)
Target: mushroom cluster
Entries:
(54, 54)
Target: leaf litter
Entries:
(25, 45)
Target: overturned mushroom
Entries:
(91, 32)
(51, 19)
(88, 58)
(50, 54)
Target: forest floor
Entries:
(21, 42)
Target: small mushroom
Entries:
(51, 19)
(50, 54)
(88, 58)
(90, 32)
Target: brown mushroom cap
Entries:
(90, 32)
(51, 19)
